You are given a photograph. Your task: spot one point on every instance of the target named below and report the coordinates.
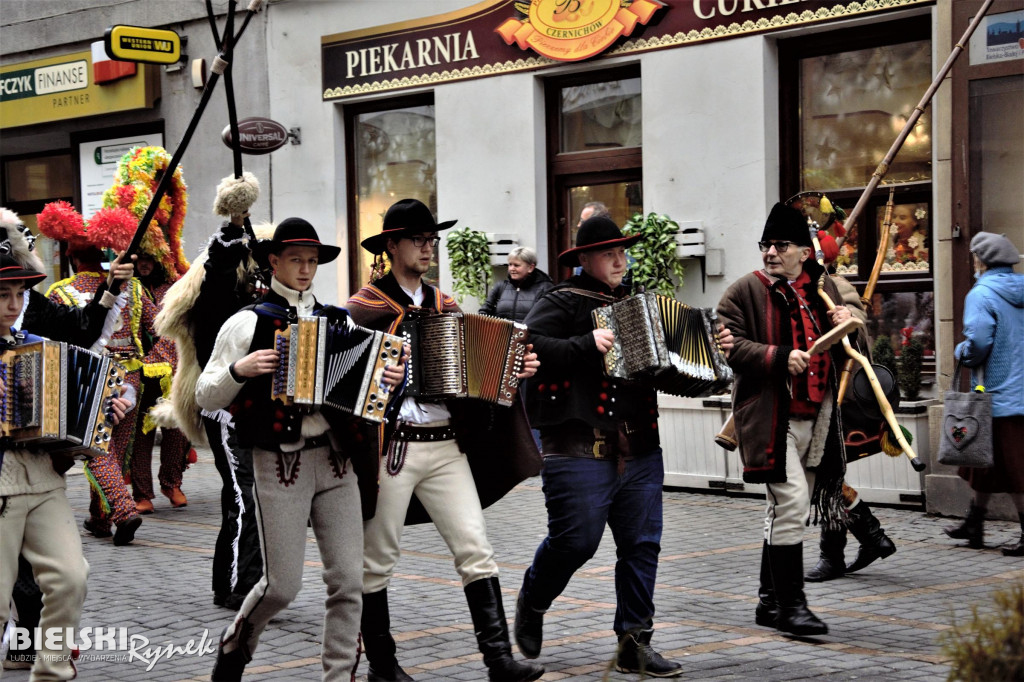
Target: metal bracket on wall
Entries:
(295, 135)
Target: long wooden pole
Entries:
(883, 167)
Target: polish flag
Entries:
(105, 69)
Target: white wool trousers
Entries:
(439, 475)
(319, 486)
(789, 504)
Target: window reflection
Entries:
(853, 105)
(395, 159)
(903, 315)
(908, 248)
(601, 115)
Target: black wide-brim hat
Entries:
(596, 233)
(294, 232)
(11, 270)
(405, 218)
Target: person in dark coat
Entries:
(512, 298)
(784, 404)
(602, 455)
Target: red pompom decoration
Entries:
(192, 456)
(829, 248)
(112, 228)
(61, 222)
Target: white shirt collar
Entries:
(416, 296)
(302, 301)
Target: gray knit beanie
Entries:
(994, 249)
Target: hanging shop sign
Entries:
(139, 44)
(65, 87)
(257, 135)
(495, 37)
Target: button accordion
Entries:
(57, 398)
(673, 346)
(464, 355)
(335, 365)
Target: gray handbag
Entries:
(966, 435)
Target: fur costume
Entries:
(175, 321)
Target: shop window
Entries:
(392, 157)
(595, 131)
(845, 96)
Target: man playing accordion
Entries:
(602, 455)
(445, 461)
(301, 470)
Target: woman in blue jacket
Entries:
(993, 327)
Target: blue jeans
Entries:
(582, 495)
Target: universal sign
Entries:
(257, 135)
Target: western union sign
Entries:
(138, 44)
(61, 88)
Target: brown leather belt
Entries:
(414, 433)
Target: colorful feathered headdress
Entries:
(137, 176)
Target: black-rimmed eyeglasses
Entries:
(418, 242)
(780, 247)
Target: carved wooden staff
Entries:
(218, 67)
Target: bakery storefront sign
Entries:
(495, 37)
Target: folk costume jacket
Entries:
(496, 440)
(756, 310)
(571, 396)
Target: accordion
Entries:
(336, 365)
(668, 343)
(57, 398)
(463, 355)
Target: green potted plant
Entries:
(883, 354)
(656, 268)
(469, 256)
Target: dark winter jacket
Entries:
(513, 301)
(571, 389)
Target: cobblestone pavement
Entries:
(884, 622)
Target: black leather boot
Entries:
(637, 656)
(378, 643)
(1017, 549)
(767, 611)
(972, 529)
(231, 664)
(788, 578)
(491, 629)
(874, 543)
(528, 628)
(832, 560)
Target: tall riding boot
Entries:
(378, 643)
(832, 560)
(1017, 549)
(874, 543)
(491, 628)
(767, 611)
(972, 529)
(787, 567)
